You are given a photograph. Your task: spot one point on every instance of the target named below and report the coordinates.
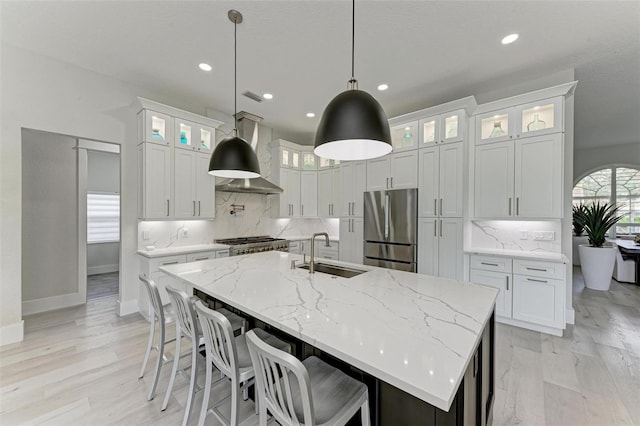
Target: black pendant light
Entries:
(354, 125)
(233, 157)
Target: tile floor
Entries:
(80, 366)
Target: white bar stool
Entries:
(323, 395)
(187, 326)
(163, 315)
(231, 356)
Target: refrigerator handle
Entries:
(386, 216)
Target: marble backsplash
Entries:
(516, 235)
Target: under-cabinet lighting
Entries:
(509, 39)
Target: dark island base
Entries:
(390, 406)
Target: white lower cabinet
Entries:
(531, 292)
(151, 268)
(352, 240)
(499, 280)
(440, 247)
(538, 300)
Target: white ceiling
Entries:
(428, 52)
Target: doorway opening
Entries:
(70, 222)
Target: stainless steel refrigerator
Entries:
(391, 229)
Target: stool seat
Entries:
(237, 322)
(332, 391)
(244, 358)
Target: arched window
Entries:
(619, 185)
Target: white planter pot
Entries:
(597, 266)
(583, 239)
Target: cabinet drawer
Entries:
(222, 253)
(536, 268)
(490, 263)
(155, 264)
(194, 257)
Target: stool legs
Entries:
(174, 370)
(364, 413)
(195, 358)
(207, 391)
(159, 363)
(152, 331)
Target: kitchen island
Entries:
(413, 338)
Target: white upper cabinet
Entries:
(443, 128)
(440, 181)
(329, 193)
(353, 174)
(205, 138)
(309, 160)
(325, 163)
(194, 187)
(154, 163)
(289, 158)
(531, 119)
(394, 171)
(494, 180)
(205, 188)
(404, 136)
(308, 193)
(155, 127)
(521, 179)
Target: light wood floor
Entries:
(80, 366)
(101, 285)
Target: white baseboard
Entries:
(127, 307)
(12, 333)
(50, 303)
(571, 316)
(530, 326)
(102, 269)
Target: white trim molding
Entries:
(102, 269)
(12, 333)
(127, 307)
(35, 306)
(570, 316)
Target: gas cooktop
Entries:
(246, 245)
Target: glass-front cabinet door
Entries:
(405, 136)
(309, 161)
(452, 126)
(155, 127)
(289, 158)
(495, 126)
(206, 138)
(184, 134)
(324, 163)
(429, 131)
(538, 118)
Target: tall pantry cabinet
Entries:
(174, 148)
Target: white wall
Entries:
(49, 218)
(103, 175)
(587, 160)
(45, 94)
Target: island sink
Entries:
(339, 271)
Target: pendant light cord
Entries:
(353, 38)
(235, 75)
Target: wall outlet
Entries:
(184, 232)
(524, 235)
(544, 235)
(145, 235)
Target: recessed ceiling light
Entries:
(383, 86)
(267, 96)
(205, 67)
(310, 115)
(510, 39)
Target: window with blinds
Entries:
(103, 218)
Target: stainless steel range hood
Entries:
(248, 130)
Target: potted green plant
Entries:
(598, 258)
(578, 231)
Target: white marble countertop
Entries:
(520, 254)
(628, 244)
(168, 251)
(415, 332)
